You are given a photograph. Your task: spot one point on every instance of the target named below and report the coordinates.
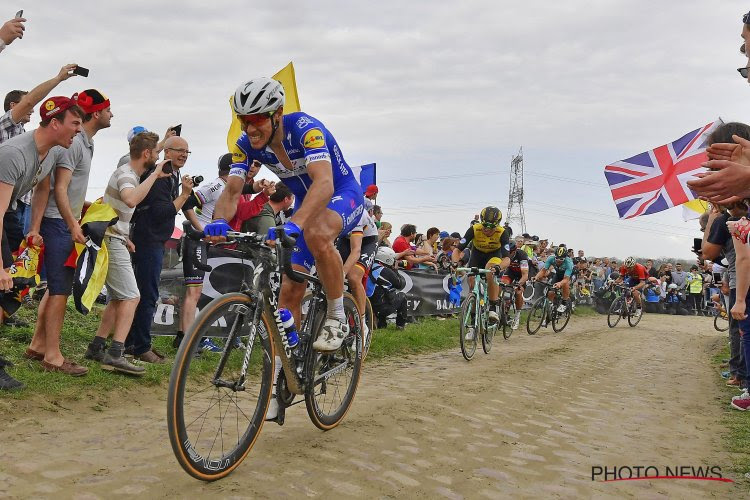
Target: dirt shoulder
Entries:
(530, 419)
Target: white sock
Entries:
(518, 314)
(336, 309)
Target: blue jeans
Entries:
(147, 266)
(737, 359)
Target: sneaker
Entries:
(744, 394)
(122, 365)
(95, 353)
(331, 335)
(638, 312)
(238, 344)
(151, 356)
(724, 374)
(742, 402)
(15, 322)
(492, 317)
(207, 345)
(469, 334)
(273, 407)
(561, 308)
(365, 336)
(8, 383)
(516, 322)
(28, 302)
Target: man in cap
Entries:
(371, 192)
(27, 160)
(138, 129)
(58, 224)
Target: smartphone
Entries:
(80, 70)
(177, 129)
(167, 168)
(19, 13)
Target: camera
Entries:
(197, 179)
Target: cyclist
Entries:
(304, 154)
(637, 279)
(563, 270)
(489, 249)
(518, 271)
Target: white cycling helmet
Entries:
(259, 95)
(672, 286)
(386, 256)
(629, 262)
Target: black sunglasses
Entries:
(743, 72)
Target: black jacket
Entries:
(153, 221)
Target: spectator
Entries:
(249, 206)
(377, 213)
(137, 130)
(18, 106)
(651, 269)
(371, 193)
(11, 30)
(679, 277)
(443, 258)
(383, 287)
(597, 274)
(580, 254)
(22, 170)
(127, 187)
(403, 248)
(153, 225)
(694, 284)
(59, 227)
(384, 232)
(279, 201)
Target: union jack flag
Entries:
(657, 180)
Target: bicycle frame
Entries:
(480, 292)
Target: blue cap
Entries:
(444, 234)
(135, 131)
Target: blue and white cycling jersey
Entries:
(307, 140)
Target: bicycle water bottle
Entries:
(291, 331)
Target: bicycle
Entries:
(546, 309)
(475, 314)
(623, 307)
(216, 405)
(507, 307)
(721, 315)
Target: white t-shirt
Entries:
(366, 225)
(208, 194)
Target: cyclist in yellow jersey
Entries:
(489, 249)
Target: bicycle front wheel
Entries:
(332, 377)
(615, 311)
(536, 316)
(721, 322)
(217, 401)
(469, 327)
(634, 319)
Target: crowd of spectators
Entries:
(44, 178)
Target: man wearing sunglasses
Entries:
(329, 202)
(489, 249)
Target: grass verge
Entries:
(423, 336)
(736, 423)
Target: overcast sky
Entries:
(439, 94)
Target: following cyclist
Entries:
(517, 271)
(637, 279)
(489, 242)
(328, 198)
(563, 270)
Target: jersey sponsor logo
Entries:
(314, 139)
(293, 151)
(319, 157)
(337, 198)
(354, 215)
(238, 172)
(340, 160)
(303, 122)
(238, 157)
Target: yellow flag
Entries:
(291, 102)
(693, 209)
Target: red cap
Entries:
(53, 106)
(371, 190)
(91, 101)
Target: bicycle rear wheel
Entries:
(536, 316)
(615, 311)
(488, 335)
(509, 313)
(214, 415)
(332, 378)
(469, 325)
(370, 322)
